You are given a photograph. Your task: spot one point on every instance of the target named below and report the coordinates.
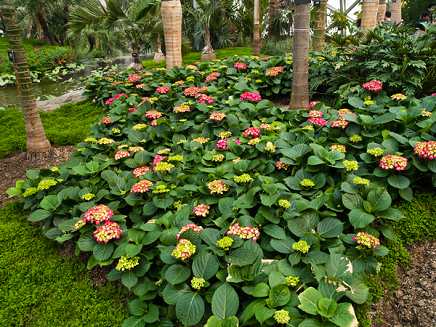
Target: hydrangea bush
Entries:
(235, 211)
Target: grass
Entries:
(39, 288)
(66, 125)
(192, 57)
(29, 45)
(419, 224)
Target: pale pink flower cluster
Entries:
(136, 149)
(141, 186)
(212, 77)
(107, 120)
(222, 144)
(426, 150)
(315, 113)
(115, 97)
(343, 112)
(182, 108)
(252, 131)
(153, 114)
(338, 147)
(339, 123)
(217, 187)
(138, 172)
(264, 58)
(203, 98)
(105, 140)
(192, 67)
(107, 232)
(163, 89)
(133, 78)
(178, 83)
(398, 96)
(139, 86)
(254, 141)
(240, 65)
(201, 210)
(121, 154)
(193, 90)
(433, 95)
(251, 96)
(374, 85)
(282, 165)
(393, 162)
(98, 214)
(148, 99)
(425, 113)
(184, 250)
(217, 116)
(193, 227)
(313, 103)
(367, 240)
(157, 159)
(245, 233)
(133, 109)
(318, 121)
(274, 71)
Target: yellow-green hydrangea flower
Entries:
(244, 178)
(225, 243)
(88, 196)
(292, 281)
(301, 246)
(350, 165)
(282, 316)
(307, 183)
(376, 152)
(197, 283)
(361, 181)
(284, 203)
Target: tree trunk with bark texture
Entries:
(172, 22)
(36, 139)
(29, 27)
(369, 13)
(208, 53)
(38, 28)
(256, 36)
(319, 30)
(290, 22)
(300, 65)
(273, 5)
(91, 42)
(43, 21)
(137, 63)
(158, 56)
(395, 9)
(381, 10)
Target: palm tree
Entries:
(300, 65)
(36, 139)
(172, 23)
(395, 8)
(319, 30)
(256, 51)
(273, 6)
(381, 10)
(369, 13)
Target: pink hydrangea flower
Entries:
(106, 120)
(182, 108)
(193, 227)
(264, 58)
(107, 232)
(133, 109)
(192, 67)
(313, 103)
(426, 150)
(282, 165)
(158, 159)
(184, 250)
(244, 232)
(222, 144)
(163, 89)
(212, 77)
(252, 131)
(141, 186)
(133, 78)
(201, 210)
(374, 85)
(139, 86)
(136, 149)
(367, 239)
(339, 123)
(217, 187)
(138, 172)
(240, 65)
(193, 90)
(153, 114)
(217, 116)
(274, 71)
(121, 154)
(98, 214)
(251, 96)
(203, 98)
(343, 112)
(338, 147)
(315, 113)
(318, 121)
(393, 162)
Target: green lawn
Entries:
(39, 288)
(29, 45)
(66, 125)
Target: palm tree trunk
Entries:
(43, 21)
(29, 26)
(273, 5)
(91, 42)
(395, 9)
(290, 17)
(319, 30)
(300, 65)
(172, 22)
(207, 53)
(38, 28)
(381, 10)
(36, 140)
(369, 13)
(137, 63)
(158, 56)
(256, 50)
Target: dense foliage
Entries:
(220, 208)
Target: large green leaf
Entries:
(275, 231)
(283, 246)
(129, 279)
(190, 308)
(337, 266)
(205, 265)
(309, 300)
(327, 307)
(225, 301)
(138, 307)
(278, 295)
(39, 215)
(360, 218)
(398, 181)
(103, 251)
(50, 202)
(344, 316)
(177, 274)
(87, 241)
(329, 227)
(241, 257)
(134, 322)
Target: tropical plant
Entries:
(369, 14)
(320, 19)
(245, 22)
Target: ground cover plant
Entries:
(220, 208)
(66, 125)
(39, 288)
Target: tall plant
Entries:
(319, 30)
(256, 35)
(369, 13)
(172, 23)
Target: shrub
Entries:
(277, 48)
(216, 205)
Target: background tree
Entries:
(381, 10)
(318, 42)
(256, 51)
(36, 139)
(395, 9)
(412, 10)
(172, 24)
(369, 13)
(300, 65)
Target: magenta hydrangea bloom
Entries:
(251, 96)
(157, 159)
(203, 98)
(212, 77)
(193, 227)
(252, 131)
(153, 114)
(217, 187)
(315, 114)
(222, 144)
(133, 78)
(141, 186)
(339, 123)
(98, 214)
(313, 103)
(393, 162)
(201, 210)
(274, 71)
(138, 172)
(426, 150)
(374, 85)
(240, 65)
(367, 240)
(107, 232)
(246, 232)
(281, 165)
(163, 89)
(217, 116)
(121, 154)
(318, 121)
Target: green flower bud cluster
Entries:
(284, 203)
(225, 243)
(163, 167)
(138, 127)
(46, 184)
(181, 142)
(116, 130)
(127, 263)
(88, 196)
(30, 191)
(361, 181)
(177, 204)
(244, 178)
(376, 152)
(159, 282)
(282, 316)
(197, 283)
(307, 183)
(292, 281)
(355, 138)
(350, 165)
(301, 246)
(270, 148)
(161, 189)
(54, 169)
(218, 158)
(175, 158)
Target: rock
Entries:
(51, 104)
(421, 303)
